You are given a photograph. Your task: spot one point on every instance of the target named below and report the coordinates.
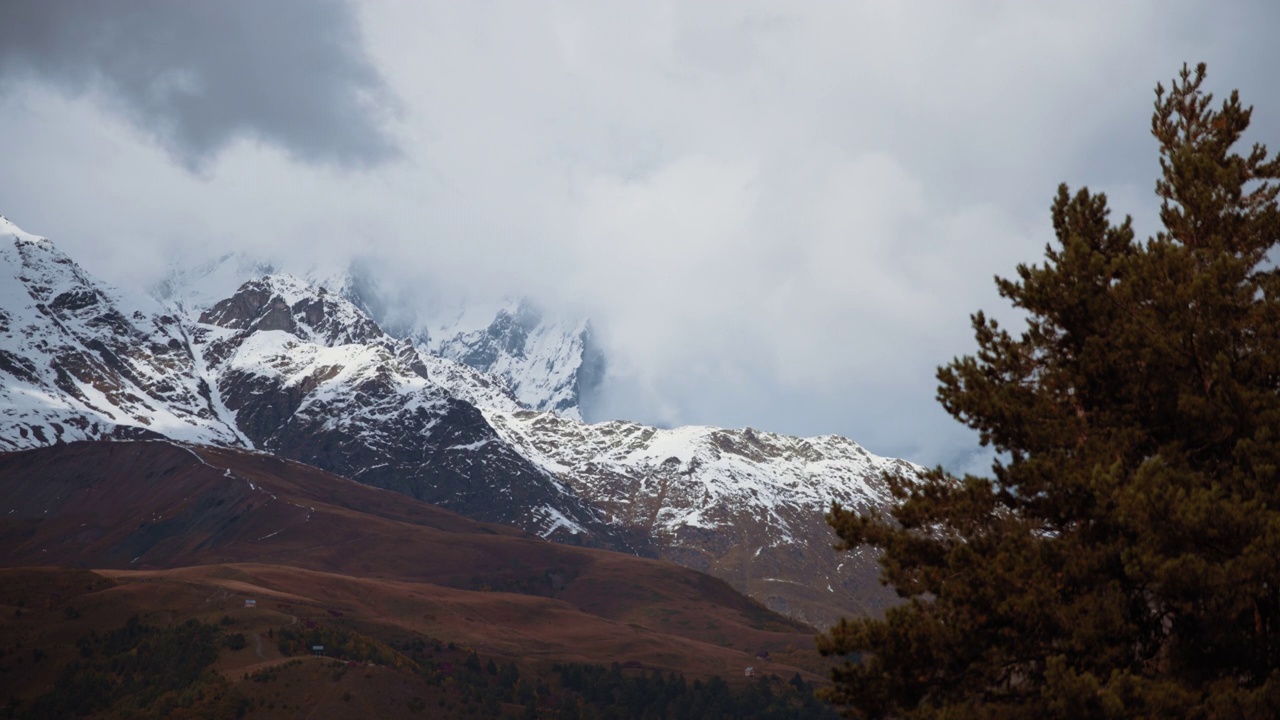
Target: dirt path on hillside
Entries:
(257, 667)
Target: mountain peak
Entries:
(551, 362)
(78, 362)
(284, 302)
(8, 227)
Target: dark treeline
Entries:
(143, 672)
(577, 691)
(596, 692)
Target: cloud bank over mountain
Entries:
(775, 216)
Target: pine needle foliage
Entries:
(1123, 561)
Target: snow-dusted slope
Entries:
(550, 363)
(744, 505)
(466, 383)
(80, 360)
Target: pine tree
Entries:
(1124, 558)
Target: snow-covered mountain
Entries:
(547, 362)
(743, 505)
(81, 360)
(550, 364)
(308, 376)
(279, 366)
(301, 370)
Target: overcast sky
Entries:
(777, 214)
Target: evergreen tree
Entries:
(1124, 559)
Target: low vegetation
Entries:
(140, 671)
(196, 652)
(336, 643)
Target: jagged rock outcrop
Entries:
(546, 361)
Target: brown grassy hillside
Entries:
(176, 533)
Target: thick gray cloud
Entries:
(778, 214)
(198, 75)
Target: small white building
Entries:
(251, 603)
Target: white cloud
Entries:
(781, 214)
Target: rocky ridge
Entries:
(744, 505)
(547, 361)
